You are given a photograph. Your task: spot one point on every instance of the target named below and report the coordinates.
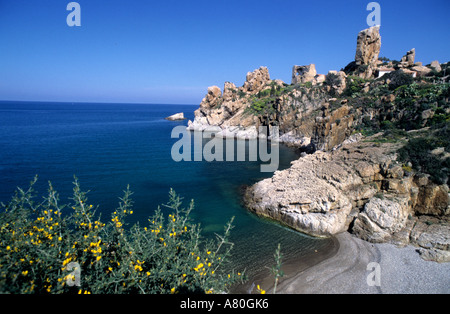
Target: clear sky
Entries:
(170, 51)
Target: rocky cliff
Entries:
(390, 187)
(363, 188)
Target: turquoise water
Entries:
(108, 146)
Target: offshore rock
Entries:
(175, 117)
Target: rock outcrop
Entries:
(225, 111)
(303, 74)
(368, 50)
(256, 80)
(408, 59)
(435, 65)
(380, 219)
(359, 187)
(175, 117)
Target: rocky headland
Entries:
(375, 142)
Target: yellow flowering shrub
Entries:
(46, 247)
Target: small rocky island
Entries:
(176, 117)
(375, 138)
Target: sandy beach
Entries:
(346, 271)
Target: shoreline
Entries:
(291, 268)
(401, 271)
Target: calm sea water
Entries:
(108, 146)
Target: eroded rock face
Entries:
(368, 50)
(359, 187)
(436, 66)
(368, 46)
(318, 193)
(256, 80)
(432, 235)
(301, 199)
(380, 219)
(212, 98)
(303, 74)
(226, 111)
(409, 59)
(336, 82)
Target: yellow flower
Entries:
(172, 291)
(8, 248)
(199, 266)
(25, 272)
(261, 291)
(67, 261)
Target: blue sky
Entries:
(171, 51)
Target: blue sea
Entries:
(110, 146)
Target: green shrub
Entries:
(418, 152)
(44, 246)
(354, 86)
(398, 78)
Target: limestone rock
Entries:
(432, 199)
(435, 255)
(303, 74)
(318, 193)
(256, 80)
(212, 98)
(436, 66)
(368, 46)
(380, 219)
(421, 70)
(408, 59)
(432, 235)
(320, 78)
(177, 116)
(301, 200)
(336, 81)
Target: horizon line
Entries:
(96, 102)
